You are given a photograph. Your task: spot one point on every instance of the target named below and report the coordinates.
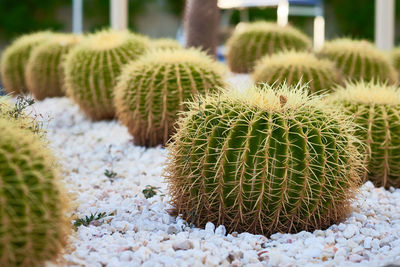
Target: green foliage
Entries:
(359, 60)
(263, 160)
(293, 67)
(15, 58)
(91, 218)
(376, 109)
(152, 89)
(110, 174)
(21, 17)
(253, 40)
(44, 72)
(33, 205)
(17, 114)
(92, 68)
(150, 191)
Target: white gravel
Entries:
(141, 232)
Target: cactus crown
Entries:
(109, 39)
(253, 40)
(34, 226)
(15, 58)
(44, 72)
(92, 68)
(165, 43)
(293, 67)
(263, 160)
(376, 109)
(359, 60)
(152, 89)
(367, 93)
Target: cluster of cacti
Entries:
(33, 224)
(15, 58)
(263, 160)
(152, 89)
(359, 60)
(165, 43)
(44, 71)
(92, 68)
(294, 67)
(376, 109)
(252, 41)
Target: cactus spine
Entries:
(44, 71)
(252, 41)
(359, 60)
(263, 160)
(376, 109)
(33, 226)
(15, 58)
(294, 67)
(92, 68)
(153, 88)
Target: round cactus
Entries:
(263, 160)
(15, 59)
(153, 88)
(165, 43)
(359, 60)
(376, 109)
(32, 210)
(252, 41)
(44, 72)
(92, 68)
(395, 56)
(293, 67)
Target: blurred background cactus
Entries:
(263, 160)
(44, 72)
(376, 109)
(92, 68)
(395, 57)
(293, 67)
(359, 60)
(165, 43)
(33, 208)
(252, 41)
(152, 89)
(15, 58)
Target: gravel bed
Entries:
(140, 231)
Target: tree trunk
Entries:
(201, 25)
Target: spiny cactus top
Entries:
(252, 41)
(33, 225)
(165, 43)
(153, 88)
(15, 58)
(376, 109)
(92, 68)
(359, 60)
(263, 160)
(44, 72)
(293, 67)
